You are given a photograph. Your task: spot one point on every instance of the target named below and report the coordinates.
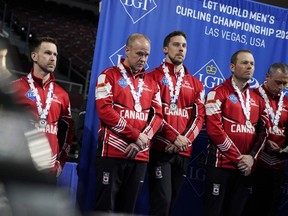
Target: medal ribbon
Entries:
(245, 106)
(43, 113)
(136, 95)
(173, 96)
(274, 117)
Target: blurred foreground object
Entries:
(27, 187)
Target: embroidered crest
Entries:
(165, 81)
(122, 82)
(233, 98)
(216, 189)
(30, 95)
(158, 172)
(106, 178)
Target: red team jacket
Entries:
(266, 159)
(226, 126)
(120, 123)
(60, 109)
(188, 119)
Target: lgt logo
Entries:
(143, 8)
(115, 58)
(196, 173)
(210, 75)
(30, 95)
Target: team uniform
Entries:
(120, 178)
(166, 171)
(269, 175)
(59, 110)
(231, 136)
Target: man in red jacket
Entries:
(235, 123)
(183, 110)
(46, 100)
(125, 96)
(269, 176)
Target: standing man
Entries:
(183, 113)
(48, 102)
(124, 97)
(269, 176)
(235, 123)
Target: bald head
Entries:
(136, 36)
(137, 52)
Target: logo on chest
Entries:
(122, 82)
(30, 95)
(233, 98)
(165, 81)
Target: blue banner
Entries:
(215, 30)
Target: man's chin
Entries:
(178, 61)
(50, 71)
(139, 69)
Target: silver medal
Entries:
(42, 123)
(138, 107)
(248, 124)
(173, 107)
(275, 129)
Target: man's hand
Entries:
(59, 169)
(171, 148)
(182, 142)
(132, 150)
(245, 164)
(142, 142)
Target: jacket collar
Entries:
(39, 81)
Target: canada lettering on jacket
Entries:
(48, 129)
(178, 112)
(238, 128)
(131, 114)
(280, 132)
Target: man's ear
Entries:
(232, 67)
(165, 50)
(126, 48)
(33, 56)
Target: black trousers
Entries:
(167, 173)
(118, 183)
(267, 191)
(227, 192)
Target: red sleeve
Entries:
(156, 114)
(171, 132)
(214, 127)
(106, 113)
(261, 130)
(66, 117)
(194, 127)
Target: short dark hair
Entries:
(35, 44)
(173, 34)
(233, 59)
(279, 65)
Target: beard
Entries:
(46, 68)
(175, 60)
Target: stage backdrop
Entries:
(215, 30)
